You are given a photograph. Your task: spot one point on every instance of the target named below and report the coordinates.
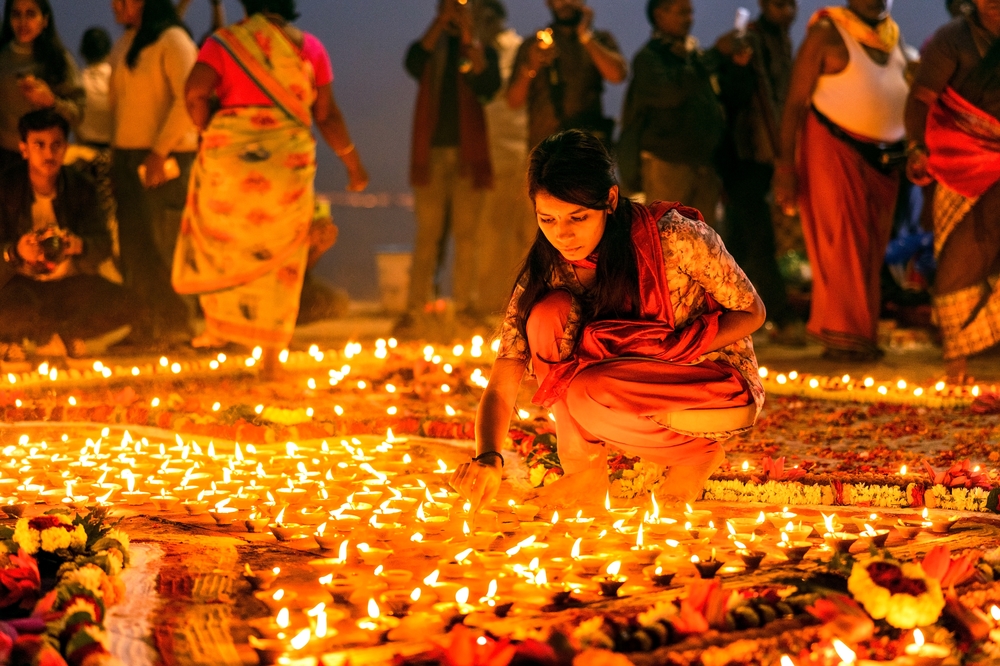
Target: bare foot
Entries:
(686, 482)
(957, 372)
(208, 341)
(578, 490)
(271, 369)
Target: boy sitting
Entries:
(53, 237)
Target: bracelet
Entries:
(346, 151)
(915, 146)
(10, 255)
(490, 453)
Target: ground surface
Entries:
(190, 604)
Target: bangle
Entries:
(478, 458)
(345, 151)
(10, 255)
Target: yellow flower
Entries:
(891, 596)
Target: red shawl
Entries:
(964, 145)
(474, 147)
(652, 335)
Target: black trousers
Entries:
(76, 307)
(148, 225)
(750, 234)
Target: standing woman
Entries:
(245, 237)
(152, 134)
(637, 324)
(36, 72)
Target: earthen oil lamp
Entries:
(830, 525)
(611, 582)
(371, 555)
(737, 536)
(751, 557)
(257, 523)
(660, 576)
(276, 600)
(197, 506)
(578, 526)
(925, 654)
(223, 514)
(781, 518)
(164, 502)
(585, 565)
(377, 624)
(908, 529)
(707, 533)
(939, 524)
(324, 540)
(876, 537)
(626, 513)
(398, 602)
(699, 517)
(798, 532)
(286, 532)
(260, 579)
(748, 525)
(458, 566)
(454, 611)
(132, 496)
(643, 554)
(707, 568)
(795, 551)
(340, 587)
(872, 519)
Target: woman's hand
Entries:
(37, 92)
(786, 189)
(478, 482)
(155, 173)
(916, 168)
(357, 175)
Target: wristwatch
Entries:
(479, 458)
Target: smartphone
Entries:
(742, 20)
(171, 169)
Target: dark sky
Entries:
(367, 39)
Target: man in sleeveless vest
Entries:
(953, 122)
(842, 143)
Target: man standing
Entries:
(450, 166)
(953, 122)
(54, 236)
(841, 146)
(673, 121)
(753, 110)
(560, 74)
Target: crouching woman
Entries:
(636, 322)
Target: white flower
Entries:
(661, 610)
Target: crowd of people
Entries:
(196, 197)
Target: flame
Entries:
(638, 537)
(491, 592)
(695, 559)
(607, 500)
(918, 637)
(995, 612)
(746, 465)
(925, 514)
(279, 595)
(281, 517)
(462, 596)
(415, 595)
(786, 660)
(761, 519)
(846, 654)
(870, 531)
(541, 578)
(463, 556)
(432, 579)
(373, 611)
(614, 568)
(417, 538)
(729, 526)
(465, 528)
(688, 508)
(656, 509)
(790, 527)
(442, 466)
(784, 538)
(555, 517)
(828, 521)
(902, 470)
(575, 551)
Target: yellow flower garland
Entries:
(904, 611)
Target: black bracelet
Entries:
(490, 453)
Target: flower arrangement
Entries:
(65, 612)
(900, 593)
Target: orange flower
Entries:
(939, 564)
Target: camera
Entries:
(53, 248)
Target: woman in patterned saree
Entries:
(245, 234)
(636, 322)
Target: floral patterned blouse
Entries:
(697, 263)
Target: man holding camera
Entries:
(560, 74)
(450, 167)
(53, 235)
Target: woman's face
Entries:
(27, 21)
(572, 229)
(128, 12)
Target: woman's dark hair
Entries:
(284, 8)
(95, 45)
(157, 17)
(47, 49)
(651, 8)
(575, 167)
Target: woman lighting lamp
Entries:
(636, 322)
(245, 234)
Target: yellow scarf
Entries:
(884, 36)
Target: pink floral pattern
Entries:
(697, 265)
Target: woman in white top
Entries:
(95, 128)
(153, 134)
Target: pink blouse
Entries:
(237, 89)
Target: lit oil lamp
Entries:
(626, 513)
(376, 623)
(830, 525)
(286, 532)
(340, 587)
(276, 600)
(781, 518)
(659, 575)
(707, 568)
(939, 524)
(876, 537)
(697, 517)
(399, 602)
(372, 556)
(794, 551)
(751, 557)
(707, 533)
(644, 554)
(323, 540)
(197, 506)
(262, 578)
(925, 654)
(132, 496)
(223, 514)
(610, 583)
